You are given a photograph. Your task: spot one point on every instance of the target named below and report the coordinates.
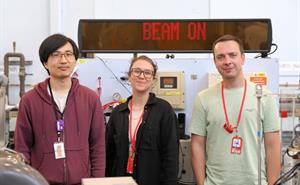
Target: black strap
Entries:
(54, 105)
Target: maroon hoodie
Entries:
(84, 134)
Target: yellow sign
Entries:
(172, 93)
(82, 61)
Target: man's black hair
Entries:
(53, 43)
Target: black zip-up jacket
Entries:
(156, 158)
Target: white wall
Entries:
(29, 22)
(155, 9)
(76, 9)
(285, 17)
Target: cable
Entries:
(99, 87)
(276, 47)
(182, 161)
(113, 74)
(282, 157)
(289, 178)
(264, 55)
(288, 175)
(182, 168)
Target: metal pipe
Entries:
(289, 85)
(259, 130)
(22, 74)
(3, 128)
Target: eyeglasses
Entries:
(137, 72)
(58, 56)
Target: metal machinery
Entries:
(13, 58)
(170, 86)
(14, 170)
(290, 121)
(185, 172)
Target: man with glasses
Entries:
(60, 125)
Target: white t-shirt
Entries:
(59, 99)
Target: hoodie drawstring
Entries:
(76, 114)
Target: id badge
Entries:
(59, 150)
(236, 145)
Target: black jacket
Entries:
(156, 158)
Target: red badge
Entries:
(130, 164)
(236, 145)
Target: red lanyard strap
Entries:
(241, 107)
(133, 138)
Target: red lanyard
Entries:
(227, 125)
(133, 138)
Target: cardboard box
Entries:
(109, 181)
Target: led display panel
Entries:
(178, 36)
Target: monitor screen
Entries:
(178, 36)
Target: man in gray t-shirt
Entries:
(224, 125)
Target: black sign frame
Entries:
(128, 35)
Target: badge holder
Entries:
(59, 150)
(130, 164)
(236, 145)
(130, 160)
(59, 147)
